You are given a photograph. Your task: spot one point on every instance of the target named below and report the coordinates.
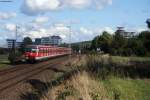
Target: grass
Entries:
(4, 61)
(79, 87)
(83, 86)
(102, 77)
(140, 59)
(127, 89)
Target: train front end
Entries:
(30, 53)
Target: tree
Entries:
(105, 41)
(118, 43)
(26, 41)
(12, 54)
(94, 44)
(145, 37)
(3, 50)
(135, 47)
(148, 23)
(118, 40)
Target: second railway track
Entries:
(26, 73)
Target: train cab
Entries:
(30, 53)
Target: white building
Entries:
(124, 33)
(52, 40)
(45, 40)
(11, 42)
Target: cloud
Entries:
(35, 7)
(10, 27)
(77, 3)
(7, 15)
(100, 4)
(41, 20)
(109, 30)
(137, 29)
(86, 31)
(57, 29)
(61, 29)
(140, 29)
(80, 34)
(99, 30)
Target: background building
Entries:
(38, 41)
(51, 40)
(56, 40)
(124, 33)
(11, 42)
(46, 41)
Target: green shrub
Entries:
(14, 56)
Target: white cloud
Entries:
(98, 31)
(57, 29)
(86, 31)
(140, 29)
(40, 20)
(81, 34)
(10, 27)
(100, 4)
(109, 30)
(7, 15)
(34, 7)
(136, 29)
(77, 3)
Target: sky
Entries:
(84, 19)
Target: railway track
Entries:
(13, 69)
(25, 73)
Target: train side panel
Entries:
(44, 52)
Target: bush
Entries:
(14, 56)
(100, 65)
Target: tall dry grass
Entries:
(79, 87)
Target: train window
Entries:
(28, 49)
(34, 50)
(39, 50)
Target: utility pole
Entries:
(16, 35)
(69, 27)
(14, 41)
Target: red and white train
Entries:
(40, 52)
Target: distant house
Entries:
(11, 42)
(129, 34)
(38, 41)
(51, 40)
(124, 33)
(46, 41)
(56, 40)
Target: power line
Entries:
(6, 1)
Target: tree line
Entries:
(119, 45)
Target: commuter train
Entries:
(39, 52)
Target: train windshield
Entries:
(30, 50)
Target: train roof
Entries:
(43, 46)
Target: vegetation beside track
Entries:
(4, 61)
(97, 77)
